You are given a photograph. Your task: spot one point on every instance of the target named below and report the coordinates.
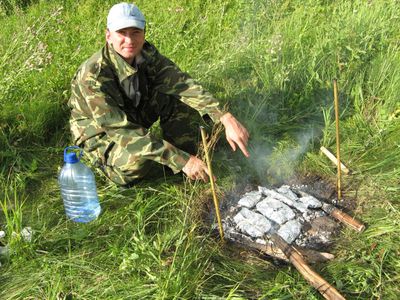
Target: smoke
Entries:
(274, 162)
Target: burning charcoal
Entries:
(227, 222)
(234, 235)
(227, 227)
(252, 223)
(275, 210)
(321, 232)
(311, 201)
(250, 199)
(286, 191)
(290, 230)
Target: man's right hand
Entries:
(195, 168)
(236, 133)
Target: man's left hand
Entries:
(236, 133)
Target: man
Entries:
(123, 89)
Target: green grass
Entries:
(272, 63)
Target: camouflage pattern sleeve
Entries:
(167, 78)
(97, 112)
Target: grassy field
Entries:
(272, 63)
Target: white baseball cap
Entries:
(123, 15)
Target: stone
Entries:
(276, 195)
(286, 191)
(264, 191)
(288, 197)
(250, 199)
(275, 210)
(252, 223)
(311, 201)
(290, 230)
(27, 234)
(4, 251)
(2, 234)
(300, 206)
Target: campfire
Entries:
(287, 223)
(296, 216)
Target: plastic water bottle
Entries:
(78, 188)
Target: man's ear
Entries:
(107, 35)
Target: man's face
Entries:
(128, 42)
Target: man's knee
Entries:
(181, 127)
(117, 164)
(123, 177)
(124, 167)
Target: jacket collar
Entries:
(122, 68)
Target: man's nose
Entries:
(129, 38)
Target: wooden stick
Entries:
(314, 256)
(335, 92)
(334, 160)
(311, 256)
(326, 290)
(339, 215)
(210, 174)
(343, 217)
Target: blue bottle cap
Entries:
(70, 157)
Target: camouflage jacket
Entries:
(99, 103)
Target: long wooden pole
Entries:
(339, 175)
(210, 174)
(324, 287)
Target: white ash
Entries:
(310, 215)
(287, 211)
(320, 234)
